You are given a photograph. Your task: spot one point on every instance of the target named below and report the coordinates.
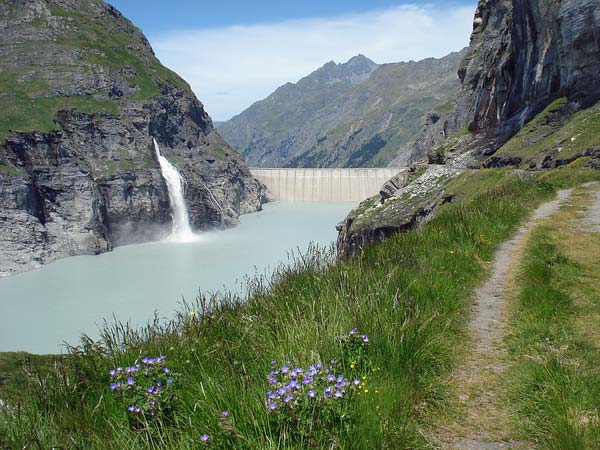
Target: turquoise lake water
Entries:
(42, 309)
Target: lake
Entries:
(43, 308)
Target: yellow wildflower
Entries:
(192, 314)
(353, 364)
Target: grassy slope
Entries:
(410, 294)
(546, 135)
(30, 105)
(554, 334)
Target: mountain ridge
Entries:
(346, 127)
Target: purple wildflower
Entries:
(205, 438)
(272, 406)
(288, 399)
(356, 382)
(307, 380)
(311, 393)
(353, 331)
(365, 338)
(115, 386)
(273, 363)
(224, 414)
(169, 380)
(338, 394)
(331, 378)
(166, 370)
(130, 381)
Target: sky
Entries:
(235, 52)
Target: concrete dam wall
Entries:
(324, 185)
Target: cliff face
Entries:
(529, 98)
(82, 97)
(524, 54)
(355, 114)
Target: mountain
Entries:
(274, 130)
(348, 115)
(529, 99)
(82, 96)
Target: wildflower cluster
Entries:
(145, 386)
(318, 399)
(290, 386)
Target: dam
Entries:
(324, 185)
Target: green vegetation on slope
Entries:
(554, 333)
(548, 139)
(322, 122)
(86, 47)
(410, 295)
(23, 111)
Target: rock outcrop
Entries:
(524, 54)
(83, 96)
(529, 98)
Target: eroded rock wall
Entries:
(83, 96)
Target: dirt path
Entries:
(591, 221)
(482, 422)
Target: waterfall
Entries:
(182, 231)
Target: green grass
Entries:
(30, 105)
(554, 335)
(410, 294)
(12, 365)
(23, 111)
(545, 135)
(9, 169)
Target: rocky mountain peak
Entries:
(360, 64)
(354, 71)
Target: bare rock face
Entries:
(524, 54)
(83, 96)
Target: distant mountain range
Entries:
(356, 114)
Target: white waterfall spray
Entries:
(182, 231)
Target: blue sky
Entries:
(156, 16)
(234, 53)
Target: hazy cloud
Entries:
(249, 62)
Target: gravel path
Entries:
(591, 221)
(487, 359)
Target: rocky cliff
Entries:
(355, 114)
(524, 54)
(529, 98)
(82, 96)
